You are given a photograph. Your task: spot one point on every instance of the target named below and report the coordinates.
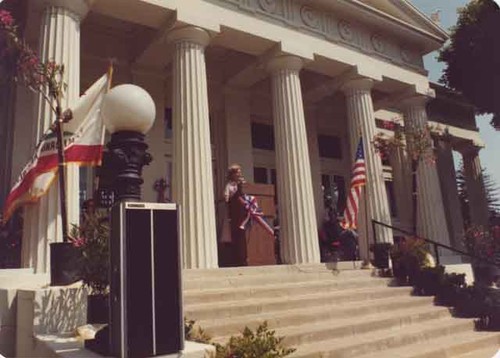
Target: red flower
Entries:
(388, 125)
(6, 19)
(79, 242)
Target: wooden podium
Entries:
(253, 247)
(259, 244)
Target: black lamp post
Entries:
(145, 287)
(128, 112)
(127, 151)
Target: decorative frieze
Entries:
(327, 24)
(346, 31)
(268, 5)
(378, 43)
(310, 16)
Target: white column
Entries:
(299, 234)
(431, 217)
(239, 130)
(312, 136)
(401, 177)
(478, 204)
(193, 176)
(59, 41)
(448, 180)
(361, 117)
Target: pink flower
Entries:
(388, 125)
(79, 242)
(6, 18)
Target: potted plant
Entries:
(381, 252)
(428, 280)
(92, 238)
(471, 302)
(449, 289)
(408, 256)
(484, 245)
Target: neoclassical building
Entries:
(285, 88)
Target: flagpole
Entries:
(62, 170)
(103, 134)
(365, 206)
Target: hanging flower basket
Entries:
(65, 261)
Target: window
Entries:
(262, 136)
(334, 191)
(389, 187)
(167, 119)
(330, 147)
(260, 175)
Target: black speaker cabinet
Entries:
(146, 299)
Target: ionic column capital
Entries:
(190, 34)
(356, 85)
(284, 62)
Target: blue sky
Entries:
(489, 155)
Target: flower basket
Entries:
(428, 280)
(381, 254)
(470, 302)
(65, 261)
(449, 289)
(408, 257)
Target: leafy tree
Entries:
(492, 195)
(473, 57)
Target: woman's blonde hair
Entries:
(233, 168)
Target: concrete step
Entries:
(282, 302)
(307, 315)
(219, 294)
(271, 278)
(467, 344)
(330, 313)
(382, 340)
(488, 352)
(285, 269)
(344, 327)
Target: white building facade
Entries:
(285, 88)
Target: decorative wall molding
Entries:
(328, 25)
(268, 5)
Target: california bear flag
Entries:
(83, 146)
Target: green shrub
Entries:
(449, 288)
(471, 302)
(262, 344)
(408, 257)
(428, 280)
(92, 239)
(195, 333)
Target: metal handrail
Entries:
(435, 244)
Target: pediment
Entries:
(405, 11)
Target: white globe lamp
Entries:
(128, 108)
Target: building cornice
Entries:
(402, 25)
(358, 26)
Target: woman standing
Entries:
(236, 213)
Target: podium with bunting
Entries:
(259, 244)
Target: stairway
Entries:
(330, 313)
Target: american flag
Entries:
(358, 181)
